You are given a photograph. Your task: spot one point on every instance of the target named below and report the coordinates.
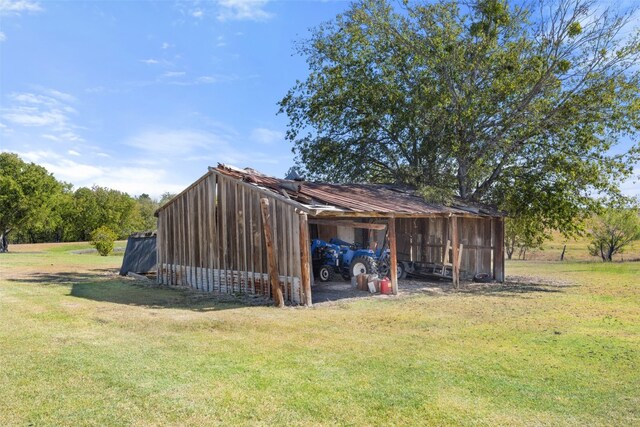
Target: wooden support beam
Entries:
(305, 259)
(350, 224)
(337, 213)
(445, 255)
(498, 249)
(271, 255)
(455, 249)
(394, 256)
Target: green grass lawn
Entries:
(81, 347)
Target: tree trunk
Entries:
(562, 254)
(510, 247)
(4, 244)
(610, 253)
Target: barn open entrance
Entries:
(435, 248)
(343, 248)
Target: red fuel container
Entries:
(385, 286)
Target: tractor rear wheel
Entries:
(325, 273)
(384, 269)
(363, 265)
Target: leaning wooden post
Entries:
(305, 259)
(455, 249)
(393, 270)
(271, 255)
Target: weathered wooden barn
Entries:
(238, 231)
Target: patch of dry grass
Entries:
(576, 250)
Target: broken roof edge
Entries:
(213, 171)
(458, 207)
(264, 190)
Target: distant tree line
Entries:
(35, 207)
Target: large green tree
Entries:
(28, 195)
(489, 101)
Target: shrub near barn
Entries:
(103, 239)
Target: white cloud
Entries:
(243, 10)
(29, 116)
(266, 136)
(18, 6)
(173, 78)
(133, 179)
(138, 180)
(216, 79)
(166, 45)
(176, 142)
(198, 13)
(63, 168)
(170, 74)
(150, 61)
(48, 109)
(186, 146)
(65, 97)
(51, 137)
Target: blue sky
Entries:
(142, 96)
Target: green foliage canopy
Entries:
(36, 207)
(98, 206)
(28, 194)
(484, 100)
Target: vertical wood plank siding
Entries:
(425, 239)
(210, 239)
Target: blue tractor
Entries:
(325, 258)
(340, 257)
(348, 260)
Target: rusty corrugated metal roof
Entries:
(324, 199)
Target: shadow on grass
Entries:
(510, 289)
(105, 286)
(329, 292)
(507, 289)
